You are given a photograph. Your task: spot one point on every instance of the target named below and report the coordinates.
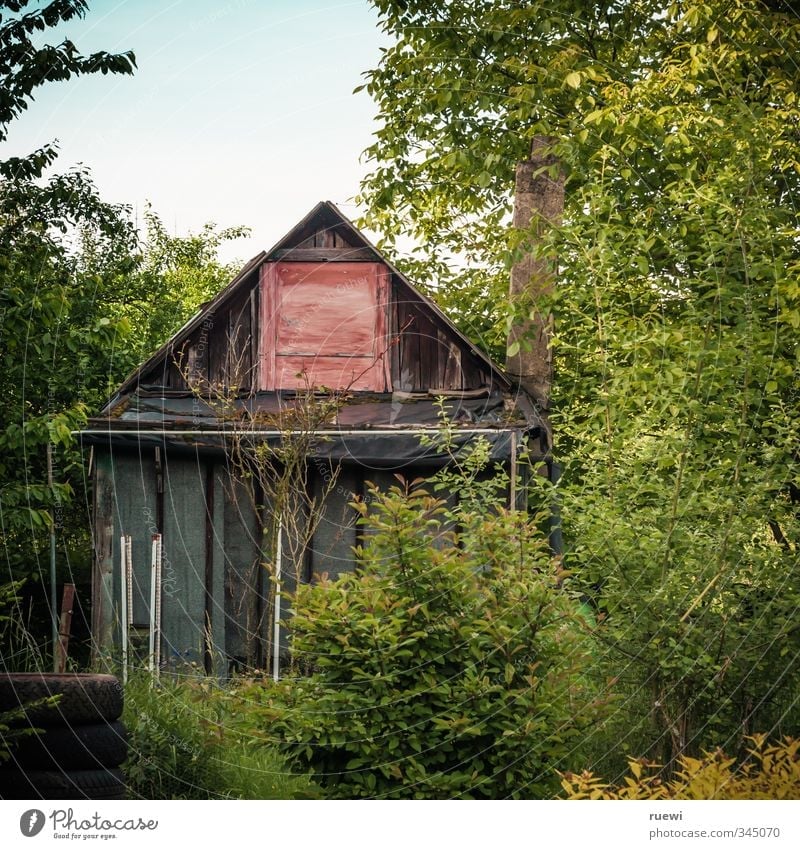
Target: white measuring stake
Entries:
(158, 607)
(123, 603)
(155, 606)
(129, 581)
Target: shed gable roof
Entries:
(324, 235)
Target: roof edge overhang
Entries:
(377, 448)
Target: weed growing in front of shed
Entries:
(14, 725)
(435, 671)
(181, 747)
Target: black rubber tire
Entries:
(73, 747)
(85, 698)
(55, 784)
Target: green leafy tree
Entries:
(178, 275)
(677, 310)
(158, 287)
(49, 340)
(82, 301)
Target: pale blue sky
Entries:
(241, 111)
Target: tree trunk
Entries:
(538, 206)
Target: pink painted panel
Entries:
(332, 372)
(328, 320)
(327, 309)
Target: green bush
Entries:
(437, 670)
(181, 747)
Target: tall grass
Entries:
(182, 747)
(18, 653)
(19, 650)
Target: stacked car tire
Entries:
(81, 745)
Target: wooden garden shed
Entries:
(322, 311)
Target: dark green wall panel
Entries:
(134, 495)
(184, 562)
(335, 534)
(244, 578)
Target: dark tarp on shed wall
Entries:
(245, 581)
(368, 449)
(215, 576)
(239, 602)
(184, 562)
(151, 407)
(127, 503)
(335, 534)
(129, 509)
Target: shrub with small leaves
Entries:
(437, 670)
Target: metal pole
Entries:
(53, 607)
(276, 632)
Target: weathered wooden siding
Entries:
(428, 356)
(221, 351)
